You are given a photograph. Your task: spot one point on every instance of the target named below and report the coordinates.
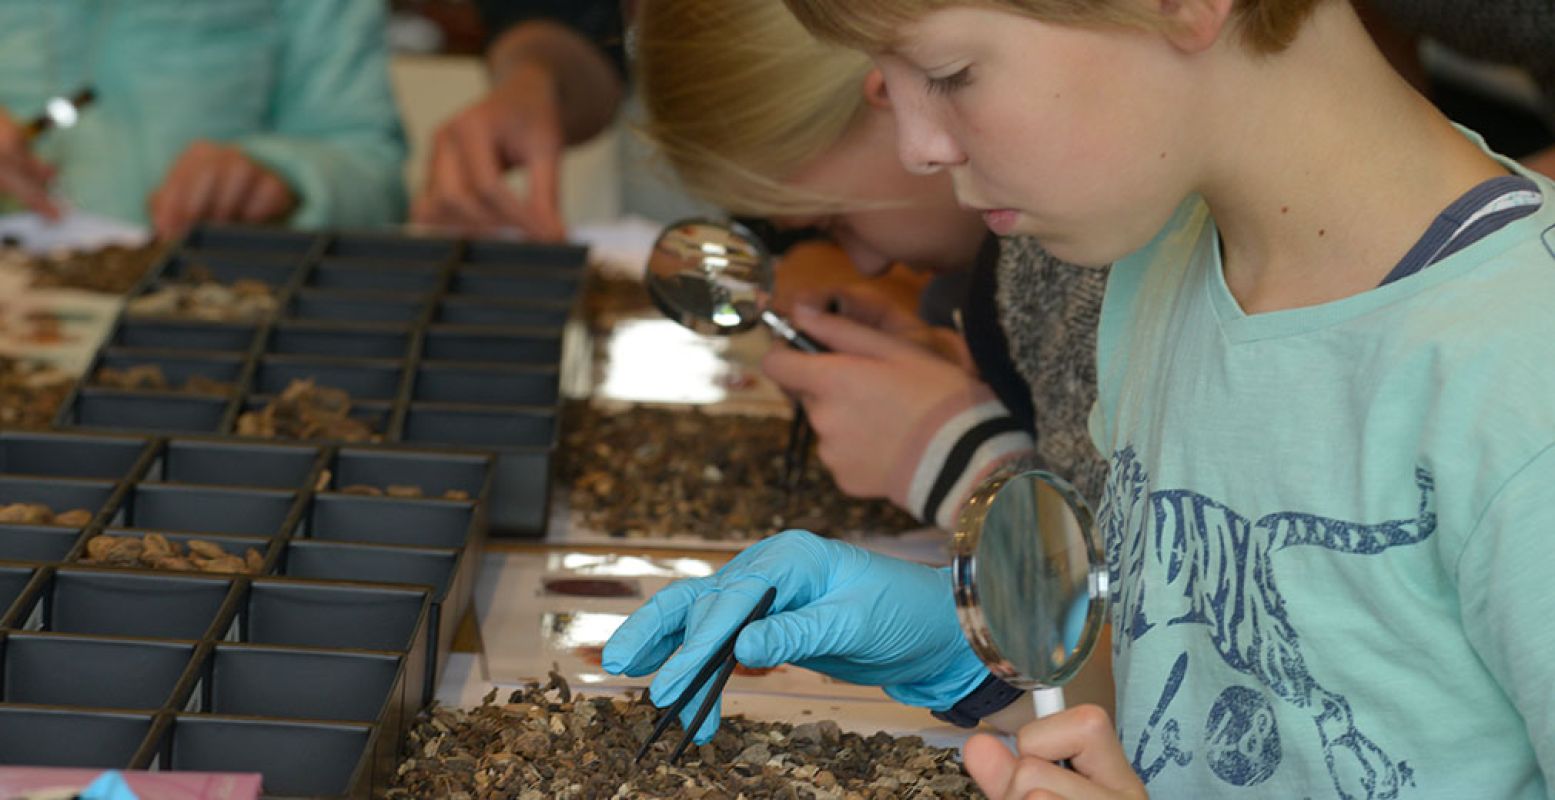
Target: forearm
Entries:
(588, 87)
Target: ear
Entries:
(1195, 25)
(875, 93)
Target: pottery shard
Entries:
(404, 491)
(26, 514)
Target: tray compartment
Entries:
(45, 669)
(13, 581)
(434, 472)
(301, 683)
(364, 380)
(344, 616)
(534, 284)
(160, 334)
(233, 545)
(177, 368)
(226, 463)
(465, 310)
(527, 255)
(494, 345)
(522, 439)
(59, 494)
(31, 737)
(117, 603)
(342, 561)
(332, 615)
(373, 412)
(197, 509)
(481, 426)
(35, 543)
(146, 411)
(390, 247)
(391, 520)
(348, 306)
(508, 386)
(68, 455)
(251, 239)
(357, 275)
(337, 341)
(227, 266)
(297, 759)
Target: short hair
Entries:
(738, 96)
(1266, 26)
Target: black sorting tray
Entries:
(439, 342)
(308, 672)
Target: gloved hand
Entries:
(840, 610)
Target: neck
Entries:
(1325, 180)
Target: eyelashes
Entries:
(959, 79)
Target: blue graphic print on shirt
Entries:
(1223, 565)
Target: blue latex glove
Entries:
(840, 610)
(109, 786)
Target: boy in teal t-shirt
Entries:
(1326, 390)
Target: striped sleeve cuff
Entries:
(970, 445)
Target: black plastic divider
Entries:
(392, 520)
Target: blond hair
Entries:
(739, 96)
(1266, 26)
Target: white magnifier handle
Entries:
(1048, 701)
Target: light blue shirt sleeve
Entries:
(1504, 574)
(335, 134)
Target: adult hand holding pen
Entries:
(23, 175)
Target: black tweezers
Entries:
(722, 663)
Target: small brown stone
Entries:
(74, 518)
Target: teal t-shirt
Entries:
(301, 86)
(1331, 530)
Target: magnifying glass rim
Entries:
(700, 323)
(963, 573)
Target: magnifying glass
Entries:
(1030, 582)
(716, 278)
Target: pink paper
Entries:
(21, 781)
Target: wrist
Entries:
(965, 446)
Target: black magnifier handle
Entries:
(788, 333)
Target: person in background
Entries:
(557, 78)
(1520, 35)
(232, 111)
